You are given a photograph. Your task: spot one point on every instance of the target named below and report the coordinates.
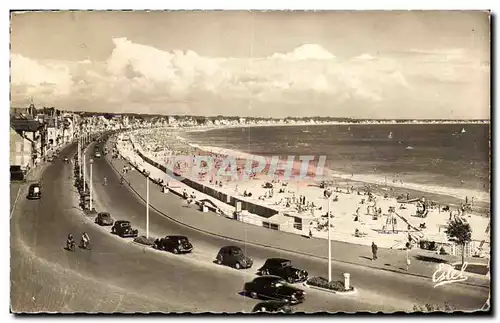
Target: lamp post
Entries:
(147, 206)
(329, 245)
(91, 162)
(79, 154)
(84, 171)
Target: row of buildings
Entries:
(37, 133)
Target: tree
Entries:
(459, 230)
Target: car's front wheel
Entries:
(290, 279)
(265, 272)
(176, 251)
(254, 295)
(237, 265)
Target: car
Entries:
(274, 287)
(283, 268)
(66, 159)
(104, 218)
(233, 256)
(97, 154)
(272, 307)
(17, 173)
(34, 191)
(124, 229)
(175, 243)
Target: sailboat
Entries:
(349, 129)
(463, 130)
(390, 135)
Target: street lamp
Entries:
(84, 170)
(91, 162)
(147, 206)
(328, 195)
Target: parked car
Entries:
(34, 191)
(273, 307)
(274, 287)
(233, 256)
(66, 159)
(284, 269)
(97, 154)
(17, 173)
(124, 229)
(104, 218)
(175, 244)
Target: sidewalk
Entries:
(423, 263)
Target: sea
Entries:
(447, 159)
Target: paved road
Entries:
(120, 276)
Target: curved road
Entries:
(120, 276)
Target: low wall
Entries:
(210, 191)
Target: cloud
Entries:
(365, 57)
(308, 80)
(305, 52)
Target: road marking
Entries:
(15, 201)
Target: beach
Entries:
(361, 211)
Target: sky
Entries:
(390, 64)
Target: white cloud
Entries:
(305, 52)
(175, 81)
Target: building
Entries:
(35, 133)
(20, 151)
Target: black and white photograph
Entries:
(242, 162)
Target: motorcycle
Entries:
(70, 245)
(85, 244)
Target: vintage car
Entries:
(17, 173)
(273, 307)
(97, 154)
(284, 269)
(34, 191)
(175, 244)
(274, 287)
(233, 256)
(66, 159)
(104, 218)
(124, 229)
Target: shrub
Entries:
(145, 241)
(336, 285)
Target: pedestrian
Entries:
(408, 262)
(374, 251)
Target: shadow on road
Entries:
(429, 259)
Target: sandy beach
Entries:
(360, 213)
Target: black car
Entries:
(34, 191)
(104, 218)
(284, 269)
(233, 256)
(273, 307)
(124, 229)
(17, 173)
(274, 287)
(175, 244)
